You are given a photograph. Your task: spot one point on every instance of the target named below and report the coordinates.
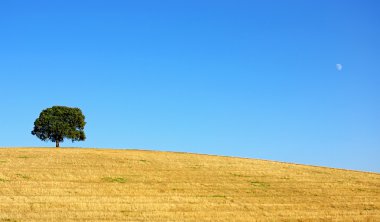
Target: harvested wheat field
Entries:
(71, 184)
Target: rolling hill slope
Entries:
(71, 184)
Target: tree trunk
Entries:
(56, 144)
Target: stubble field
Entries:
(72, 184)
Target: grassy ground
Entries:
(47, 184)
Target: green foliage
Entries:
(59, 122)
(114, 179)
(23, 157)
(259, 184)
(23, 176)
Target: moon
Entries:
(339, 66)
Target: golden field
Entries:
(72, 184)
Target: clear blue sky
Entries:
(242, 78)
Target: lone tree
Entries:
(59, 122)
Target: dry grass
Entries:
(41, 184)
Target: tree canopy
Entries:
(59, 122)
